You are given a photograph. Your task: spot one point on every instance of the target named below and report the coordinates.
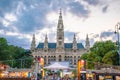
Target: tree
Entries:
(90, 60)
(14, 56)
(110, 58)
(4, 52)
(84, 56)
(102, 52)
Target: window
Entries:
(60, 37)
(60, 43)
(74, 50)
(59, 59)
(45, 50)
(74, 56)
(60, 56)
(74, 63)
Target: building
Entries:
(59, 51)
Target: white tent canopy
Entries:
(55, 66)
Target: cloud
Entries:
(28, 22)
(24, 42)
(78, 9)
(30, 15)
(103, 36)
(92, 2)
(10, 17)
(107, 35)
(68, 36)
(23, 15)
(51, 37)
(26, 17)
(5, 6)
(105, 8)
(17, 41)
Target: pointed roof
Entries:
(60, 21)
(33, 36)
(46, 39)
(74, 36)
(74, 39)
(87, 38)
(60, 13)
(33, 39)
(33, 44)
(87, 41)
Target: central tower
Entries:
(60, 39)
(60, 33)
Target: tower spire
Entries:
(46, 39)
(60, 32)
(87, 46)
(74, 42)
(46, 42)
(60, 21)
(60, 12)
(33, 44)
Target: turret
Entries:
(87, 46)
(33, 44)
(74, 43)
(46, 44)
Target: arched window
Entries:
(74, 56)
(60, 43)
(74, 50)
(59, 57)
(45, 50)
(74, 62)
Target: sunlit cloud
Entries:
(20, 19)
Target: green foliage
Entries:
(14, 56)
(110, 58)
(84, 56)
(101, 48)
(90, 60)
(103, 52)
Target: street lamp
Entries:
(117, 28)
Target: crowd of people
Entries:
(55, 76)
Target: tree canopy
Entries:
(102, 52)
(14, 56)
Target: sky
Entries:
(20, 19)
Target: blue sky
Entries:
(19, 19)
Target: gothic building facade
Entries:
(59, 51)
